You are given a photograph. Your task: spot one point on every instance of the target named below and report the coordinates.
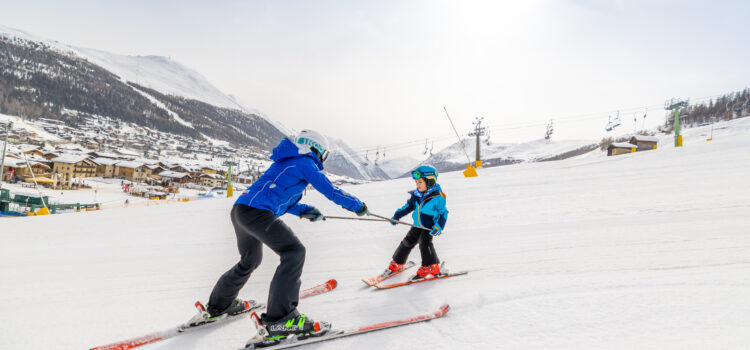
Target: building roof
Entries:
(213, 176)
(173, 174)
(128, 164)
(623, 145)
(646, 138)
(104, 161)
(69, 158)
(14, 163)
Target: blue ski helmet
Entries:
(426, 172)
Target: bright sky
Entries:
(379, 72)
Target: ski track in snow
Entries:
(646, 250)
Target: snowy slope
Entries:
(640, 251)
(457, 155)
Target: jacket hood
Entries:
(287, 149)
(428, 192)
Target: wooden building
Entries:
(644, 143)
(131, 170)
(618, 148)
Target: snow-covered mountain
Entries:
(345, 161)
(399, 166)
(454, 157)
(40, 76)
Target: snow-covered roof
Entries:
(213, 176)
(623, 145)
(173, 174)
(104, 161)
(14, 163)
(127, 152)
(128, 164)
(26, 147)
(103, 155)
(646, 138)
(69, 158)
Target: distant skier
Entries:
(427, 203)
(255, 217)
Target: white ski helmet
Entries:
(312, 141)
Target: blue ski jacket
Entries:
(428, 208)
(280, 188)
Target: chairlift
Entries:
(367, 159)
(617, 120)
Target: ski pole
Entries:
(399, 222)
(310, 216)
(348, 218)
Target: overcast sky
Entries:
(379, 72)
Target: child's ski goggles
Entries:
(416, 174)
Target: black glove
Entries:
(312, 214)
(363, 210)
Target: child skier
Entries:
(255, 217)
(428, 205)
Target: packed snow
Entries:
(642, 250)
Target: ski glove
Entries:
(363, 211)
(435, 232)
(393, 221)
(313, 214)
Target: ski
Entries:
(202, 315)
(372, 281)
(319, 289)
(292, 341)
(413, 281)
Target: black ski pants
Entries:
(414, 236)
(255, 227)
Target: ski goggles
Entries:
(323, 156)
(416, 174)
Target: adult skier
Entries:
(427, 202)
(255, 216)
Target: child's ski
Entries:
(191, 325)
(372, 281)
(412, 281)
(292, 341)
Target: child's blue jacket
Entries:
(428, 208)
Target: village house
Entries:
(131, 170)
(173, 177)
(105, 167)
(211, 180)
(11, 166)
(67, 167)
(243, 179)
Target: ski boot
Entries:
(427, 270)
(204, 316)
(393, 267)
(284, 331)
